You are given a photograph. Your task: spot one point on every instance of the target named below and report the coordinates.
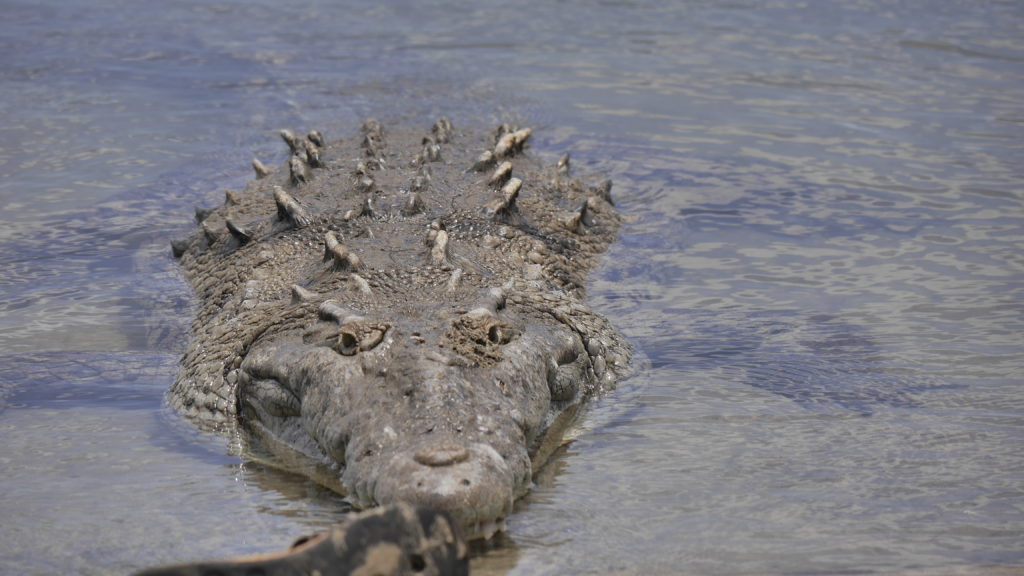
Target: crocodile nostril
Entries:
(441, 455)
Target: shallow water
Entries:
(823, 269)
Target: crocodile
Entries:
(400, 314)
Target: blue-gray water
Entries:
(823, 269)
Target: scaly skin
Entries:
(401, 316)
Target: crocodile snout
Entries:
(472, 483)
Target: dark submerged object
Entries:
(395, 540)
(401, 316)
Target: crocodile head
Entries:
(415, 328)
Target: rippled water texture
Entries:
(823, 269)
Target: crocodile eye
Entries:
(479, 335)
(356, 335)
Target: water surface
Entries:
(822, 271)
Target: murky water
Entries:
(823, 269)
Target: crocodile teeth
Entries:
(486, 529)
(288, 209)
(260, 168)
